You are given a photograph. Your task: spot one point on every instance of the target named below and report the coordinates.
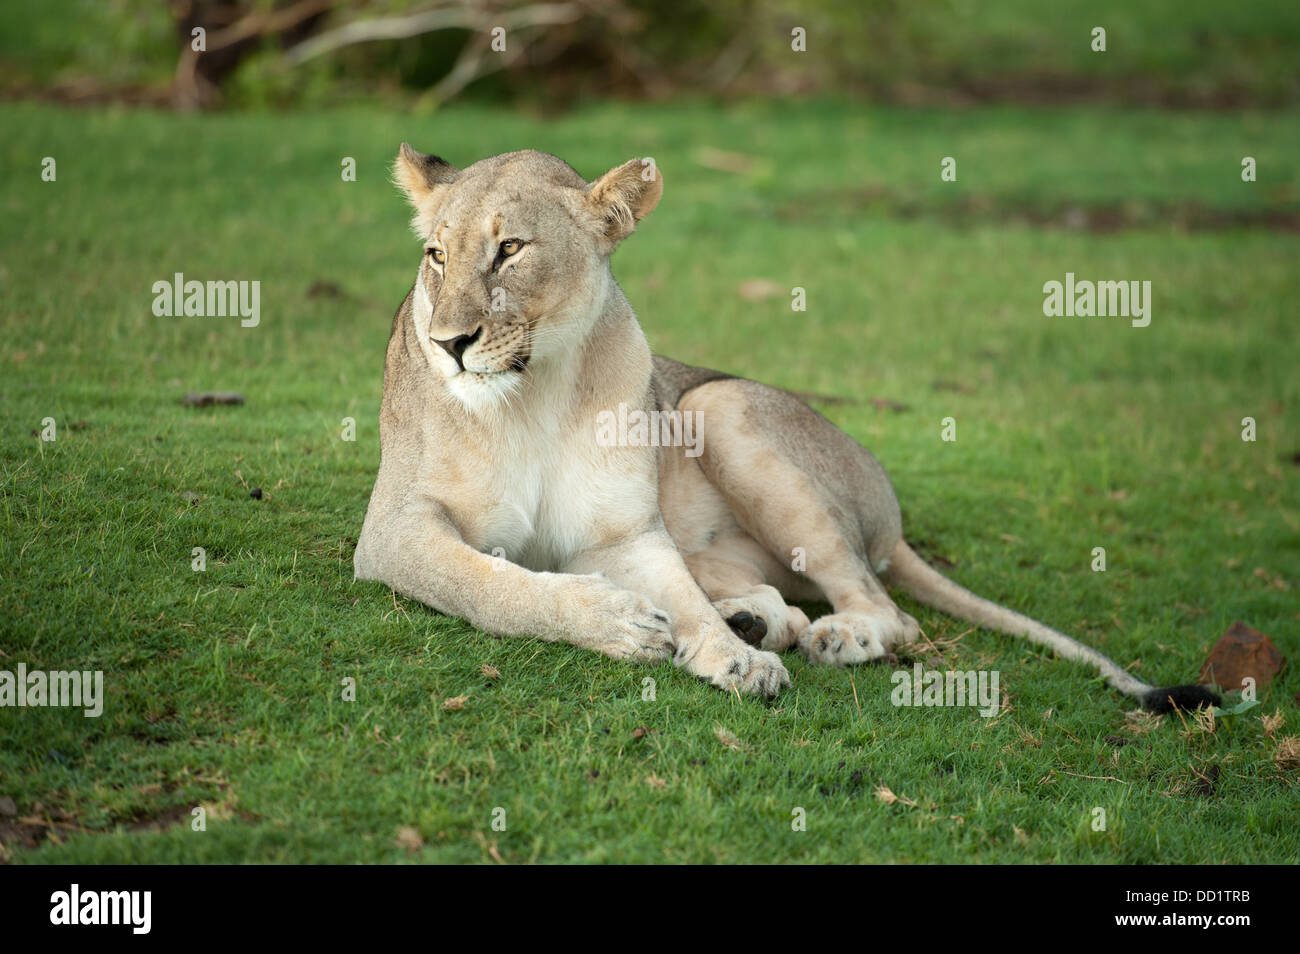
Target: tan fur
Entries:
(496, 502)
(499, 459)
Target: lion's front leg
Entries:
(422, 556)
(651, 565)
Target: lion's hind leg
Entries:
(807, 492)
(732, 571)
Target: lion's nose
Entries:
(457, 346)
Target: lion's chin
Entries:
(479, 390)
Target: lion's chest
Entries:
(553, 501)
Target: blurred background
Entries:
(558, 53)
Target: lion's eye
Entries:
(510, 247)
(438, 255)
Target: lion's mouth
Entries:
(516, 366)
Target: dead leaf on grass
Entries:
(409, 839)
(1239, 654)
(724, 160)
(1140, 722)
(886, 795)
(1286, 756)
(727, 738)
(757, 289)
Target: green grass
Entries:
(224, 686)
(1179, 49)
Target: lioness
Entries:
(497, 501)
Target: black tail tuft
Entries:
(1184, 697)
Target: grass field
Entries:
(223, 686)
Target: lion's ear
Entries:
(624, 196)
(423, 179)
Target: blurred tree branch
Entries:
(473, 61)
(190, 88)
(593, 36)
(462, 17)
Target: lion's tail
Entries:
(932, 588)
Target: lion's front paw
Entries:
(763, 674)
(730, 664)
(849, 639)
(639, 631)
(622, 624)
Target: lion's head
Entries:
(516, 259)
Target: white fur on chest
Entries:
(554, 495)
